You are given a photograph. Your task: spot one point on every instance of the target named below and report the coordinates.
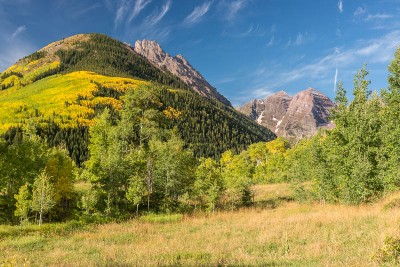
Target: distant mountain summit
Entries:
(291, 117)
(179, 67)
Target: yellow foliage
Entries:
(33, 63)
(279, 145)
(172, 113)
(56, 98)
(13, 79)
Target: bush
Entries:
(390, 252)
(303, 194)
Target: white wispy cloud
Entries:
(302, 38)
(121, 12)
(261, 93)
(360, 11)
(335, 80)
(340, 6)
(197, 14)
(256, 93)
(378, 50)
(12, 49)
(86, 9)
(273, 28)
(233, 8)
(157, 16)
(137, 8)
(379, 16)
(271, 41)
(338, 32)
(252, 30)
(18, 31)
(226, 80)
(373, 51)
(109, 5)
(299, 39)
(151, 28)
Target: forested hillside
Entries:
(136, 161)
(62, 87)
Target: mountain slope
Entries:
(63, 86)
(90, 52)
(180, 67)
(291, 117)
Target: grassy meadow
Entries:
(275, 232)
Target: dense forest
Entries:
(137, 161)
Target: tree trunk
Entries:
(137, 210)
(148, 202)
(40, 217)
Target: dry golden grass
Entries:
(291, 234)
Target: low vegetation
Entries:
(291, 234)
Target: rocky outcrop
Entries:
(180, 67)
(291, 117)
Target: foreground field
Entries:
(279, 233)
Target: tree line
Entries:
(138, 162)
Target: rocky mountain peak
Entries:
(178, 66)
(292, 117)
(280, 93)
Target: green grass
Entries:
(290, 234)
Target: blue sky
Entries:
(245, 48)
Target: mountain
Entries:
(61, 88)
(180, 67)
(291, 117)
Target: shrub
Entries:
(390, 252)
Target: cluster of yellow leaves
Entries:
(172, 113)
(29, 70)
(121, 84)
(13, 79)
(56, 98)
(37, 70)
(33, 63)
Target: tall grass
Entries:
(290, 234)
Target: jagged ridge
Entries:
(291, 117)
(180, 67)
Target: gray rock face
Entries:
(292, 117)
(180, 67)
